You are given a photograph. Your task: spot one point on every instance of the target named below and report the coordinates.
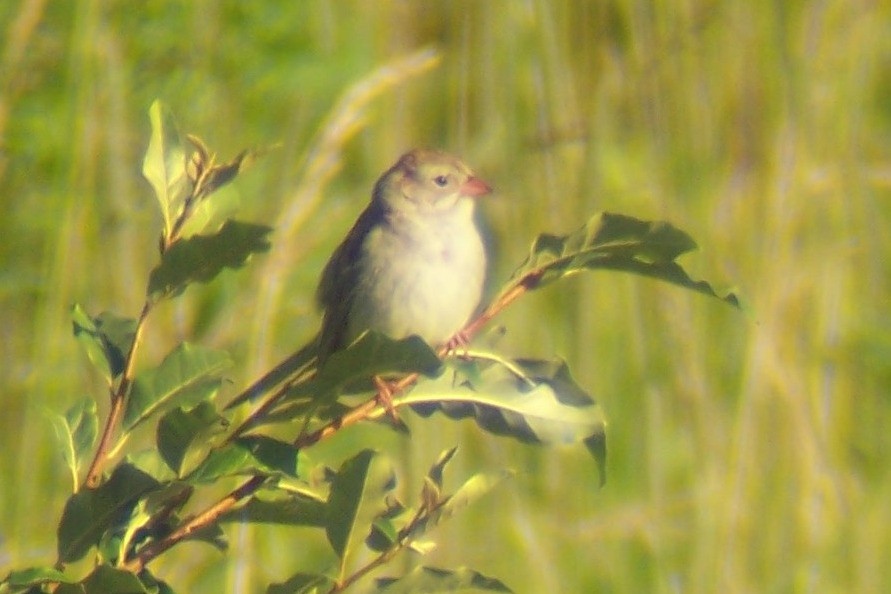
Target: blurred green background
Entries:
(747, 451)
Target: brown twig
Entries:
(118, 400)
(194, 524)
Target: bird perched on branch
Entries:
(414, 261)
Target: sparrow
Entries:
(414, 262)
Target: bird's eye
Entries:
(441, 181)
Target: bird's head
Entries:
(427, 181)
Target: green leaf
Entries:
(430, 579)
(76, 431)
(373, 354)
(109, 580)
(212, 212)
(106, 339)
(596, 446)
(356, 499)
(294, 509)
(90, 512)
(431, 492)
(201, 258)
(155, 585)
(150, 462)
(530, 400)
(472, 490)
(435, 472)
(387, 526)
(614, 242)
(187, 376)
(164, 165)
(186, 433)
(383, 535)
(302, 583)
(351, 369)
(250, 455)
(153, 516)
(33, 576)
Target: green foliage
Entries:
(614, 242)
(133, 513)
(106, 340)
(289, 508)
(202, 257)
(251, 455)
(187, 376)
(357, 496)
(738, 448)
(90, 513)
(183, 434)
(76, 431)
(164, 165)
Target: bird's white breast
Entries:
(424, 276)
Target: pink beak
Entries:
(475, 187)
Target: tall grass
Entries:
(747, 452)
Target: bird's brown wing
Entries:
(336, 291)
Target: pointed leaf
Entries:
(383, 535)
(431, 579)
(106, 339)
(533, 401)
(185, 377)
(373, 354)
(87, 334)
(250, 455)
(90, 512)
(118, 333)
(210, 176)
(435, 472)
(596, 446)
(155, 585)
(530, 400)
(33, 576)
(471, 491)
(150, 462)
(164, 165)
(614, 242)
(293, 510)
(201, 258)
(76, 432)
(211, 212)
(185, 433)
(110, 580)
(431, 492)
(356, 499)
(385, 531)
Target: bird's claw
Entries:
(385, 398)
(457, 344)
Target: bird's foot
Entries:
(385, 398)
(457, 344)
